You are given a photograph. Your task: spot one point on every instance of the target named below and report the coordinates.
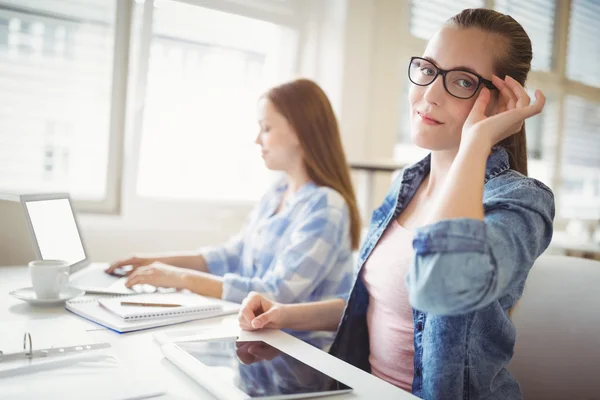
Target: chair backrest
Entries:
(557, 352)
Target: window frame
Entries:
(112, 202)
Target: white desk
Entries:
(139, 351)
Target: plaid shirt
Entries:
(300, 254)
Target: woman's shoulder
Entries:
(511, 180)
(513, 187)
(325, 197)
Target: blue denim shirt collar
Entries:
(497, 163)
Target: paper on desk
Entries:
(94, 376)
(45, 333)
(91, 375)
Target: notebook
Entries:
(188, 305)
(108, 312)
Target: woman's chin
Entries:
(271, 165)
(430, 141)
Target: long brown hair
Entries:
(307, 109)
(513, 57)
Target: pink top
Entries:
(390, 316)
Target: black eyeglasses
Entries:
(460, 83)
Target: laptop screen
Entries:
(55, 230)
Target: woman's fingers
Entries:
(139, 276)
(118, 264)
(245, 317)
(517, 116)
(251, 306)
(265, 319)
(509, 98)
(518, 91)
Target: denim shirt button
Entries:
(419, 326)
(418, 372)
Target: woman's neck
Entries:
(441, 161)
(296, 178)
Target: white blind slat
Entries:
(581, 138)
(537, 18)
(583, 54)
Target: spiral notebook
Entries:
(109, 312)
(183, 304)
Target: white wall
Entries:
(350, 48)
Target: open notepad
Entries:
(188, 305)
(110, 313)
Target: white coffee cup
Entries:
(49, 278)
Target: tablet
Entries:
(247, 370)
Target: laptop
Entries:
(57, 236)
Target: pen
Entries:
(133, 303)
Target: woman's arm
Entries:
(316, 316)
(191, 260)
(217, 260)
(464, 260)
(260, 312)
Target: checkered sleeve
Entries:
(227, 258)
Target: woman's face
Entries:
(436, 116)
(277, 139)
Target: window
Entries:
(206, 72)
(56, 62)
(542, 134)
(427, 16)
(580, 164)
(581, 144)
(583, 54)
(537, 18)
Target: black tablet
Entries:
(232, 369)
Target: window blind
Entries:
(56, 60)
(537, 18)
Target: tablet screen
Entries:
(261, 370)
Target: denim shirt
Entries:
(465, 276)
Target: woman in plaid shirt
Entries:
(297, 244)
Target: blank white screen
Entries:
(55, 230)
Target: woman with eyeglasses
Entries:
(448, 252)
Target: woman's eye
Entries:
(465, 83)
(427, 71)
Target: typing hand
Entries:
(159, 275)
(133, 262)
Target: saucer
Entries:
(28, 295)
